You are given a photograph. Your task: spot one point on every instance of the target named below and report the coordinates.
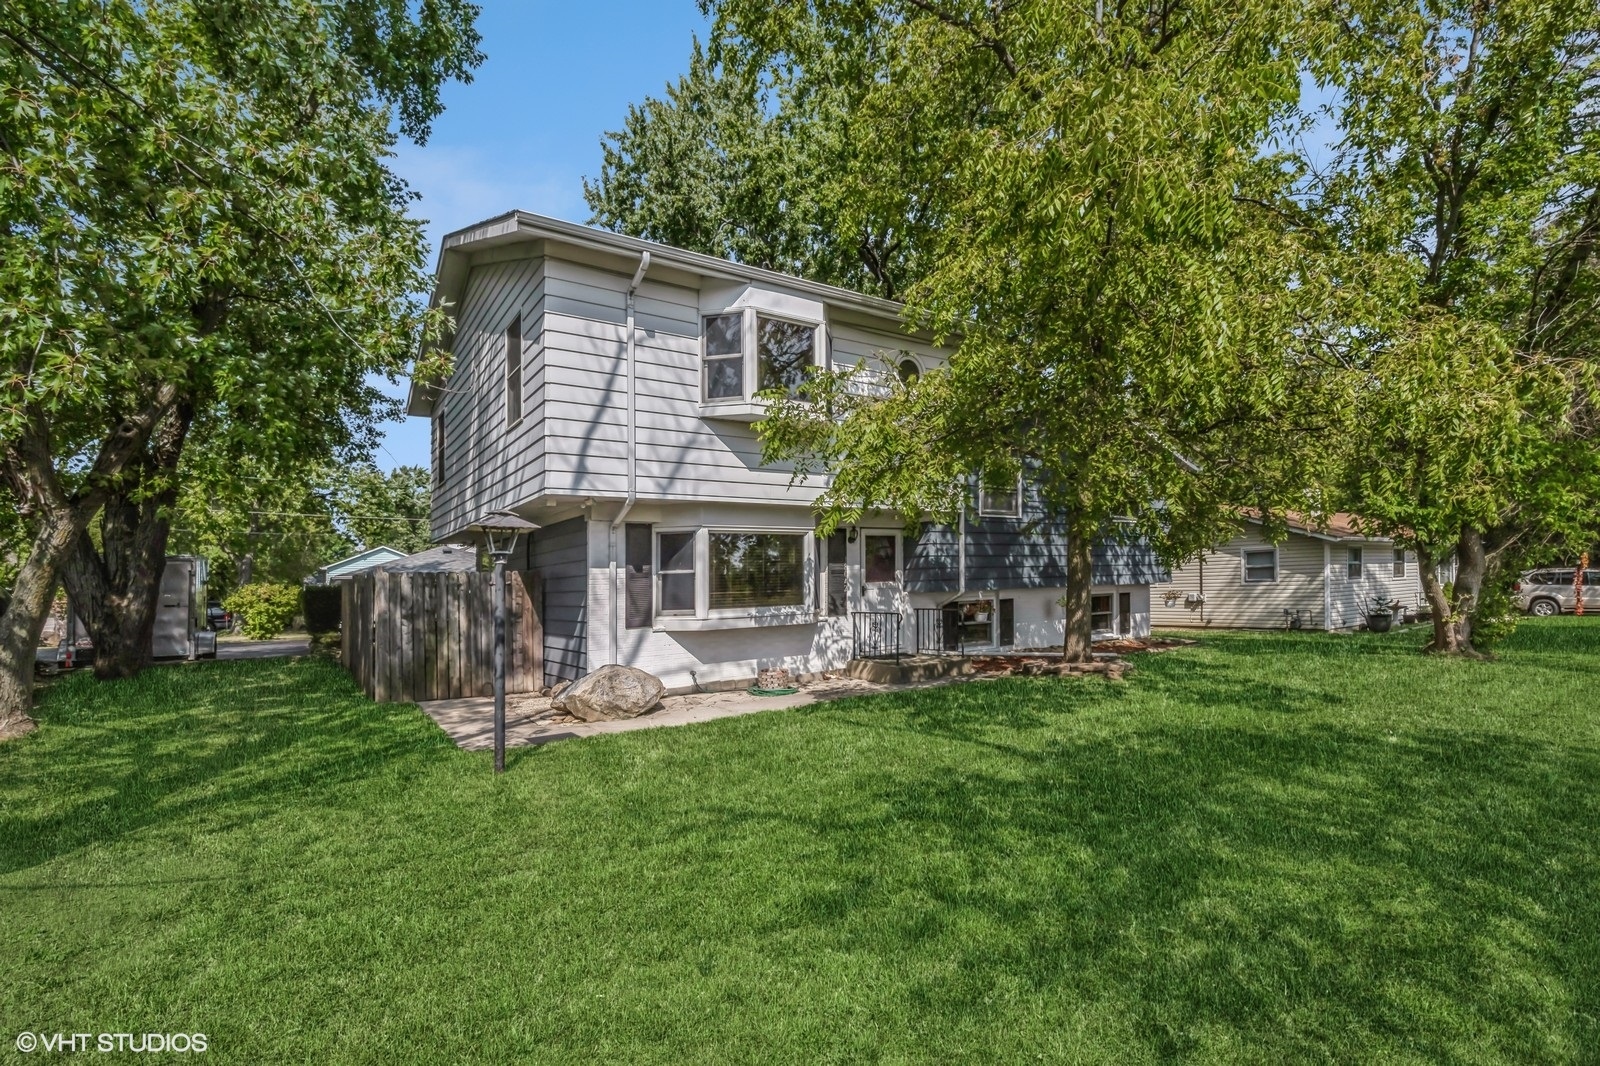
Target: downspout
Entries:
(633, 457)
(961, 553)
(1327, 587)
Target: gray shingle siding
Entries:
(931, 561)
(1027, 553)
(560, 553)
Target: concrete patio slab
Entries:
(470, 722)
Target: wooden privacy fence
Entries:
(430, 636)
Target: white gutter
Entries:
(633, 454)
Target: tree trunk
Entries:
(1438, 603)
(1077, 644)
(1453, 618)
(24, 620)
(116, 595)
(115, 589)
(246, 569)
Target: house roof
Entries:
(1339, 526)
(513, 227)
(363, 560)
(441, 558)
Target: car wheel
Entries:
(1544, 608)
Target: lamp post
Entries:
(500, 530)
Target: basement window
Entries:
(1100, 616)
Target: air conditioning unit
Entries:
(1194, 600)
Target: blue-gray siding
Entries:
(560, 553)
(1025, 553)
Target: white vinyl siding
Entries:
(1232, 602)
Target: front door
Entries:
(881, 571)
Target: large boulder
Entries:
(610, 692)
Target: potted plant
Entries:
(1380, 616)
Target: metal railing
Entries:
(875, 635)
(938, 631)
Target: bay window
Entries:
(707, 578)
(676, 569)
(747, 352)
(725, 357)
(757, 570)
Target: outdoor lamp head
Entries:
(500, 530)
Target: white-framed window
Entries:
(908, 370)
(1101, 618)
(748, 570)
(1000, 501)
(1399, 562)
(746, 352)
(675, 571)
(1260, 565)
(514, 372)
(1352, 565)
(728, 572)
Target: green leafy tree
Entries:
(375, 507)
(744, 162)
(197, 225)
(1135, 304)
(1466, 188)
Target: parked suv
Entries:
(1550, 592)
(218, 619)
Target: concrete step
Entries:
(910, 670)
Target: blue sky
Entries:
(527, 130)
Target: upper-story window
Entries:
(514, 372)
(747, 352)
(1000, 499)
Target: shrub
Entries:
(264, 610)
(322, 606)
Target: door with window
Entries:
(881, 563)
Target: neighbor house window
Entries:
(1261, 565)
(1100, 618)
(514, 372)
(1000, 499)
(1353, 565)
(757, 570)
(909, 371)
(675, 557)
(880, 560)
(784, 352)
(1399, 562)
(725, 357)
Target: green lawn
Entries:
(1269, 848)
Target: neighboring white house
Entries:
(604, 388)
(351, 565)
(1322, 575)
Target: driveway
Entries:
(261, 649)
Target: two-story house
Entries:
(606, 387)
